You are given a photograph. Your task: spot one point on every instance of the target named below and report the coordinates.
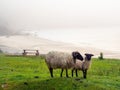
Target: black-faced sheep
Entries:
(55, 60)
(83, 65)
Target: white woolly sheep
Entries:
(55, 60)
(83, 65)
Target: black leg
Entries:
(66, 73)
(84, 73)
(76, 72)
(51, 71)
(72, 72)
(61, 72)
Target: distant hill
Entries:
(7, 49)
(15, 44)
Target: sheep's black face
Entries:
(88, 56)
(77, 55)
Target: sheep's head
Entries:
(77, 55)
(88, 56)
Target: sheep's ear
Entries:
(86, 54)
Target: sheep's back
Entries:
(58, 60)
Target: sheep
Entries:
(61, 60)
(82, 65)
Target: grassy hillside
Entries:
(31, 73)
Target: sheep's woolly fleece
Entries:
(59, 60)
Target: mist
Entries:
(82, 23)
(38, 14)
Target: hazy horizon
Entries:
(84, 23)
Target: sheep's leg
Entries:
(51, 71)
(84, 73)
(61, 72)
(76, 72)
(67, 73)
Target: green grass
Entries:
(31, 73)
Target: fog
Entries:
(39, 14)
(82, 22)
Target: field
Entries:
(31, 73)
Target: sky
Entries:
(94, 23)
